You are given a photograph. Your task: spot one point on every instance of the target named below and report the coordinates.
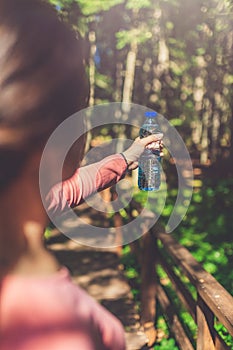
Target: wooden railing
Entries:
(211, 301)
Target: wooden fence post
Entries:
(148, 286)
(205, 326)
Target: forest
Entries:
(174, 57)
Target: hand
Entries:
(133, 153)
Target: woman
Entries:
(42, 82)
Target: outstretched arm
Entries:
(97, 176)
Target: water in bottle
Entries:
(149, 174)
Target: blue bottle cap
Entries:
(151, 114)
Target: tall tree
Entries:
(173, 56)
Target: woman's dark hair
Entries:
(42, 79)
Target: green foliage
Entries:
(137, 4)
(88, 7)
(138, 35)
(166, 344)
(222, 331)
(47, 233)
(96, 6)
(60, 3)
(132, 272)
(176, 121)
(103, 81)
(207, 227)
(55, 2)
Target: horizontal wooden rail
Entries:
(212, 292)
(211, 300)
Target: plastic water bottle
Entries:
(149, 174)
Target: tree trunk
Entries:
(129, 74)
(163, 57)
(92, 40)
(119, 82)
(204, 138)
(215, 136)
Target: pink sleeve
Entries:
(85, 181)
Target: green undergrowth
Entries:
(206, 231)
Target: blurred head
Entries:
(42, 81)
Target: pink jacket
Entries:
(51, 313)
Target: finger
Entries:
(153, 145)
(151, 138)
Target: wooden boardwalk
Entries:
(100, 273)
